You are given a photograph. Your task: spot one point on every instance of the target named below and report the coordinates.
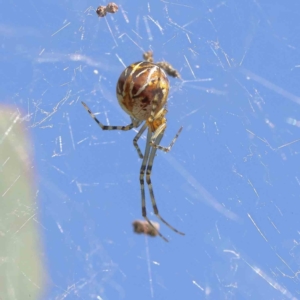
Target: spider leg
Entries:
(148, 179)
(155, 103)
(106, 127)
(153, 108)
(160, 130)
(141, 131)
(142, 175)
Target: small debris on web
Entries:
(141, 226)
(109, 8)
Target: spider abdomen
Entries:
(141, 87)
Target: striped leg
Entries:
(153, 109)
(142, 183)
(156, 99)
(148, 179)
(141, 131)
(158, 132)
(106, 127)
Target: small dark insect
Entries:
(109, 8)
(140, 226)
(167, 67)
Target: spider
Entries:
(142, 91)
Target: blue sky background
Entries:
(232, 180)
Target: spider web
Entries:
(231, 181)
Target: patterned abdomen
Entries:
(141, 87)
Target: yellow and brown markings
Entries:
(139, 86)
(157, 122)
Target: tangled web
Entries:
(231, 182)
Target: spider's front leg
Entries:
(145, 162)
(108, 127)
(148, 180)
(136, 138)
(158, 126)
(165, 149)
